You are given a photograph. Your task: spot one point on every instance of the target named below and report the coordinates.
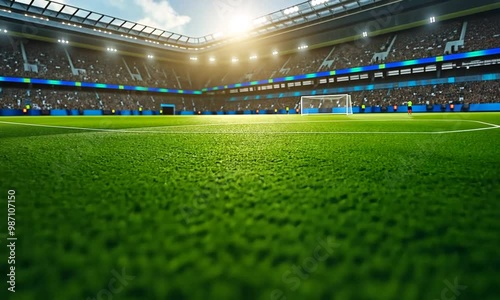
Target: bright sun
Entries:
(238, 24)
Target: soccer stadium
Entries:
(324, 149)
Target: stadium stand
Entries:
(305, 62)
(470, 92)
(46, 60)
(483, 32)
(53, 61)
(420, 42)
(38, 59)
(15, 98)
(424, 41)
(10, 58)
(359, 53)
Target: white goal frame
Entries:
(346, 110)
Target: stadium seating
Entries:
(37, 59)
(471, 92)
(424, 41)
(16, 98)
(53, 61)
(11, 61)
(483, 32)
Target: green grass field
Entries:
(253, 207)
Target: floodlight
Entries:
(275, 52)
(365, 34)
(235, 59)
(291, 10)
(318, 2)
(432, 20)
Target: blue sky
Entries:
(189, 17)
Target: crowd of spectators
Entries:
(425, 41)
(254, 105)
(54, 61)
(51, 60)
(307, 61)
(11, 60)
(154, 74)
(241, 71)
(270, 68)
(483, 32)
(94, 66)
(468, 92)
(15, 98)
(359, 53)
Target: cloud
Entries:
(161, 15)
(117, 3)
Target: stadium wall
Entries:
(482, 107)
(73, 112)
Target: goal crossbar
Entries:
(326, 104)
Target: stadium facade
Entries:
(442, 55)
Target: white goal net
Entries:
(326, 104)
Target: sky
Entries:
(194, 18)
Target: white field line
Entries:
(489, 124)
(60, 127)
(492, 126)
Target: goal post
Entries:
(340, 104)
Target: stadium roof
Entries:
(303, 13)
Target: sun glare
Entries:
(238, 24)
